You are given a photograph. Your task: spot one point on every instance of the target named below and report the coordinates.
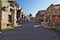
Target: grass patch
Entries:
(10, 27)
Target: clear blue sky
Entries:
(33, 6)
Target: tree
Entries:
(30, 15)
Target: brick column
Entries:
(14, 16)
(3, 22)
(15, 19)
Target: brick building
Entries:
(51, 18)
(40, 15)
(21, 15)
(10, 12)
(53, 14)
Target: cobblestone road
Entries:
(28, 32)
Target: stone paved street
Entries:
(27, 31)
